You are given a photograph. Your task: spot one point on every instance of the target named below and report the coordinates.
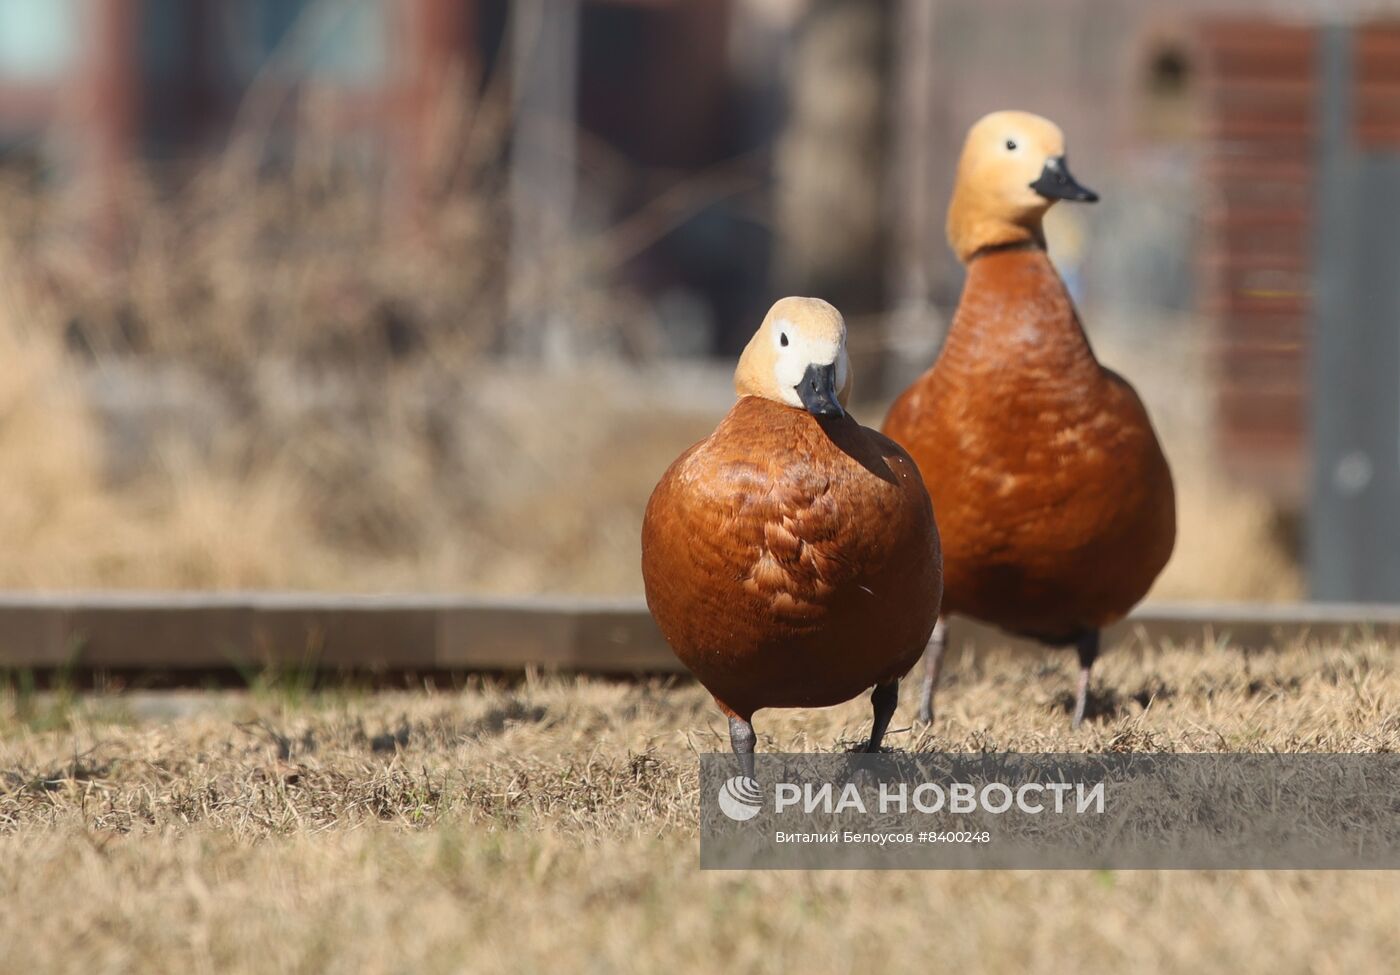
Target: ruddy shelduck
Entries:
(791, 557)
(1053, 497)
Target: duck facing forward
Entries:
(791, 557)
(1053, 496)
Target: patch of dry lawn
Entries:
(550, 825)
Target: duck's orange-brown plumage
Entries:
(792, 560)
(1054, 500)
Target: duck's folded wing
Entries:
(743, 533)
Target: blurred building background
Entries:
(406, 273)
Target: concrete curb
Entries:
(202, 632)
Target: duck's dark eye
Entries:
(782, 339)
(1010, 145)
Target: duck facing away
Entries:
(1053, 497)
(791, 558)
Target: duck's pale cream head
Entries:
(798, 357)
(1012, 169)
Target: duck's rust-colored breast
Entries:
(792, 561)
(1054, 500)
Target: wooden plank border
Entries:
(205, 632)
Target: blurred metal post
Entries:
(913, 330)
(1353, 535)
(438, 40)
(544, 38)
(111, 89)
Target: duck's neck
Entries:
(975, 225)
(1014, 304)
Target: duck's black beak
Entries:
(818, 391)
(1056, 183)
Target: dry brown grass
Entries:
(475, 476)
(275, 386)
(551, 825)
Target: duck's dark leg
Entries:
(884, 699)
(933, 663)
(1088, 647)
(742, 740)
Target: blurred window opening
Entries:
(342, 41)
(164, 24)
(1168, 109)
(38, 39)
(1168, 72)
